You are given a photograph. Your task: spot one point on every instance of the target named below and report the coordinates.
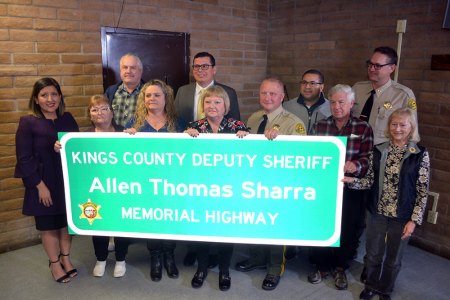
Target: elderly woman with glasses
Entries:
(101, 114)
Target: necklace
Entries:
(156, 123)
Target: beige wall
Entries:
(337, 37)
(44, 38)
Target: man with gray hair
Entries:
(359, 145)
(123, 95)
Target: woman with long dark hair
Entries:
(39, 166)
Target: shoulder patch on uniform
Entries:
(412, 104)
(300, 128)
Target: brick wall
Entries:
(61, 39)
(338, 36)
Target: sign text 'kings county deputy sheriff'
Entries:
(212, 188)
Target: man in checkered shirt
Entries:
(123, 95)
(359, 145)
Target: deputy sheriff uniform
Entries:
(286, 122)
(387, 99)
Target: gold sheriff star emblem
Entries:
(89, 211)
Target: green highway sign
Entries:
(216, 187)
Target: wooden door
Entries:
(164, 55)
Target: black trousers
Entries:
(101, 247)
(157, 247)
(224, 251)
(337, 257)
(385, 249)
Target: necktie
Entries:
(200, 113)
(263, 124)
(365, 114)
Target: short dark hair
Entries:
(38, 86)
(389, 52)
(316, 72)
(206, 54)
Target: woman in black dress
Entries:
(39, 166)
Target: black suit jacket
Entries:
(184, 102)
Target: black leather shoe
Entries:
(213, 261)
(169, 265)
(199, 277)
(155, 268)
(340, 279)
(367, 294)
(270, 282)
(224, 281)
(316, 276)
(247, 265)
(189, 259)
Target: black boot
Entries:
(199, 278)
(224, 280)
(169, 265)
(155, 267)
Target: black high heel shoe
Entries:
(63, 279)
(72, 273)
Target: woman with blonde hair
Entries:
(215, 104)
(155, 112)
(398, 178)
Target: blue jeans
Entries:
(384, 251)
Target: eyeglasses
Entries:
(96, 110)
(202, 67)
(376, 66)
(311, 83)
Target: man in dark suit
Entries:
(186, 101)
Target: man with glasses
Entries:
(186, 102)
(271, 121)
(311, 105)
(123, 95)
(377, 98)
